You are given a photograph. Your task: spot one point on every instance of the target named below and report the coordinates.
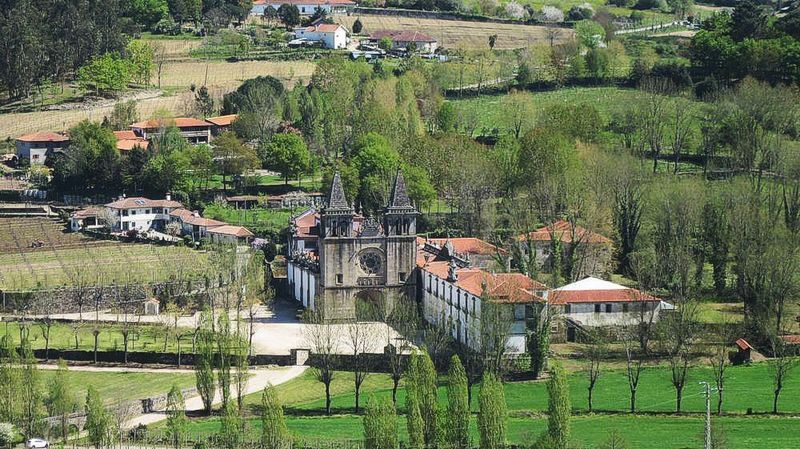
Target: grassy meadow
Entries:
(121, 386)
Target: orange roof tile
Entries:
(44, 136)
(223, 120)
(563, 230)
(180, 122)
(561, 297)
(466, 245)
(502, 287)
(238, 231)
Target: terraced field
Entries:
(65, 255)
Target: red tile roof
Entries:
(306, 224)
(791, 339)
(194, 219)
(238, 231)
(180, 122)
(743, 344)
(502, 287)
(44, 136)
(401, 36)
(223, 120)
(466, 245)
(563, 230)
(127, 140)
(140, 202)
(323, 28)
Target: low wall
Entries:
(152, 358)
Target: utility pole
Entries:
(708, 414)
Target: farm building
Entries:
(229, 234)
(194, 130)
(128, 140)
(37, 147)
(593, 302)
(192, 223)
(331, 35)
(141, 214)
(401, 40)
(592, 251)
(222, 123)
(306, 7)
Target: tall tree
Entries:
(204, 365)
(98, 420)
(286, 154)
(61, 399)
(558, 408)
(380, 425)
(274, 434)
(176, 417)
(457, 406)
(492, 413)
(234, 157)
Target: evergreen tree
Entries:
(30, 395)
(231, 434)
(176, 417)
(492, 413)
(61, 399)
(457, 406)
(414, 423)
(425, 378)
(98, 420)
(380, 424)
(10, 381)
(274, 434)
(558, 408)
(204, 368)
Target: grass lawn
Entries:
(258, 220)
(118, 386)
(144, 338)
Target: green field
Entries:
(143, 338)
(121, 263)
(120, 386)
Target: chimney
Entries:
(169, 196)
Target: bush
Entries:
(167, 26)
(674, 71)
(6, 434)
(650, 4)
(580, 12)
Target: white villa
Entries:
(593, 302)
(332, 35)
(141, 214)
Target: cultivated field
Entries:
(463, 34)
(65, 255)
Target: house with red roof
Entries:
(194, 130)
(306, 7)
(402, 38)
(37, 147)
(230, 235)
(127, 140)
(222, 123)
(588, 252)
(593, 302)
(330, 35)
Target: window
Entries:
(597, 308)
(339, 278)
(133, 211)
(608, 308)
(147, 211)
(567, 308)
(402, 276)
(430, 281)
(624, 306)
(125, 212)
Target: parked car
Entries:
(37, 443)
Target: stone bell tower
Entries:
(400, 229)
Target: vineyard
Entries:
(38, 253)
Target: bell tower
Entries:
(336, 219)
(400, 229)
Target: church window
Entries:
(339, 278)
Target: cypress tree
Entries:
(426, 396)
(204, 368)
(30, 394)
(414, 423)
(61, 400)
(492, 413)
(457, 406)
(380, 425)
(176, 416)
(558, 407)
(98, 420)
(274, 434)
(10, 381)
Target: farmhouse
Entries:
(229, 234)
(140, 214)
(194, 130)
(37, 147)
(192, 224)
(222, 123)
(330, 35)
(306, 7)
(594, 302)
(589, 252)
(401, 40)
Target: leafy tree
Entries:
(274, 434)
(578, 121)
(204, 102)
(105, 74)
(289, 15)
(123, 115)
(176, 417)
(749, 20)
(10, 381)
(167, 168)
(148, 12)
(380, 424)
(61, 399)
(414, 424)
(558, 407)
(385, 43)
(91, 161)
(457, 406)
(7, 434)
(259, 103)
(288, 155)
(590, 33)
(492, 413)
(233, 156)
(98, 420)
(232, 432)
(204, 368)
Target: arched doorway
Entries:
(370, 305)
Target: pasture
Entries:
(121, 385)
(462, 34)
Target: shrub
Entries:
(6, 434)
(580, 12)
(514, 10)
(552, 14)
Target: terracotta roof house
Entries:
(586, 252)
(128, 140)
(306, 7)
(229, 234)
(401, 38)
(140, 214)
(37, 147)
(192, 223)
(330, 35)
(194, 130)
(595, 302)
(469, 250)
(221, 123)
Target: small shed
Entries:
(151, 306)
(743, 351)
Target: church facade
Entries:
(346, 266)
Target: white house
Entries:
(141, 214)
(331, 35)
(452, 298)
(192, 223)
(194, 130)
(306, 7)
(37, 147)
(593, 302)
